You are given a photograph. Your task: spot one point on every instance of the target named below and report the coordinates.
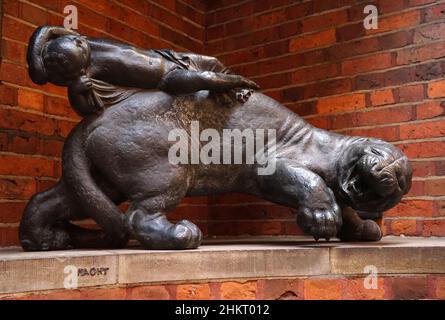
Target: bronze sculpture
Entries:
(338, 184)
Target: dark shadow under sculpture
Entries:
(337, 184)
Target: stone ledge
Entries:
(222, 259)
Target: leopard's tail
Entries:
(76, 173)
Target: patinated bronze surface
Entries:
(120, 151)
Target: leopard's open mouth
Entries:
(369, 185)
(356, 190)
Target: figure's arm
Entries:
(181, 81)
(134, 67)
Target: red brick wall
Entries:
(318, 59)
(398, 287)
(34, 120)
(313, 56)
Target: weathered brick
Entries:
(397, 21)
(365, 64)
(30, 99)
(427, 149)
(148, 293)
(9, 236)
(15, 29)
(49, 147)
(434, 13)
(193, 292)
(280, 289)
(23, 144)
(341, 103)
(33, 14)
(43, 185)
(350, 32)
(91, 18)
(102, 294)
(382, 97)
(436, 89)
(423, 168)
(237, 290)
(311, 74)
(327, 88)
(21, 166)
(3, 141)
(16, 120)
(59, 106)
(424, 72)
(388, 133)
(11, 211)
(422, 130)
(423, 53)
(271, 228)
(14, 51)
(11, 7)
(411, 93)
(16, 188)
(429, 110)
(314, 40)
(394, 40)
(322, 5)
(405, 288)
(64, 127)
(274, 81)
(429, 33)
(435, 187)
(440, 288)
(356, 289)
(8, 95)
(413, 208)
(304, 108)
(417, 189)
(391, 6)
(13, 73)
(413, 3)
(322, 289)
(435, 228)
(405, 227)
(381, 116)
(319, 22)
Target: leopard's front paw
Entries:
(320, 222)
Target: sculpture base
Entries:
(271, 268)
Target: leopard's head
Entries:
(373, 175)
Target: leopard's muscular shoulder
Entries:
(123, 155)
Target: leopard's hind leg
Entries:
(148, 223)
(45, 224)
(42, 226)
(357, 229)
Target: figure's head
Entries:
(66, 57)
(373, 175)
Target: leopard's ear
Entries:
(37, 42)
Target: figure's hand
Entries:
(249, 84)
(82, 84)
